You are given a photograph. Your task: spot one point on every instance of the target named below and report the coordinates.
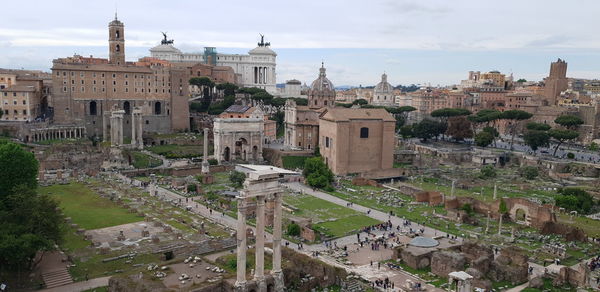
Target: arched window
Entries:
(93, 108)
(157, 108)
(117, 34)
(117, 48)
(127, 107)
(364, 132)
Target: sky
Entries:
(423, 42)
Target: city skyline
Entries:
(438, 51)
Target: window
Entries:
(157, 108)
(117, 48)
(24, 102)
(93, 108)
(24, 112)
(364, 132)
(327, 142)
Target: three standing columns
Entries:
(259, 271)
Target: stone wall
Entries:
(298, 266)
(431, 197)
(569, 232)
(445, 262)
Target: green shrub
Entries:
(468, 209)
(293, 229)
(293, 162)
(570, 155)
(487, 171)
(213, 161)
(191, 188)
(529, 172)
(237, 178)
(575, 199)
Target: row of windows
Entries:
(103, 75)
(15, 94)
(15, 102)
(94, 89)
(16, 112)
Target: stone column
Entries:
(105, 121)
(259, 271)
(133, 129)
(205, 164)
(277, 273)
(495, 190)
(240, 283)
(140, 129)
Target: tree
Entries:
(561, 136)
(406, 131)
(535, 139)
(537, 126)
(205, 85)
(360, 101)
(529, 172)
(502, 208)
(514, 117)
(445, 113)
(569, 121)
(293, 229)
(483, 139)
(317, 174)
(485, 117)
(521, 80)
(227, 88)
(593, 147)
(427, 129)
(459, 128)
(400, 114)
(17, 167)
(575, 199)
(487, 171)
(237, 178)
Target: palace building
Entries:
(256, 69)
(87, 88)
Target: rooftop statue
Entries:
(165, 41)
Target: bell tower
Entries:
(116, 42)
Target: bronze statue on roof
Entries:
(165, 41)
(262, 41)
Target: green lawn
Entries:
(141, 160)
(178, 151)
(330, 218)
(293, 162)
(87, 209)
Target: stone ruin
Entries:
(510, 264)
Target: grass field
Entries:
(293, 162)
(178, 151)
(327, 217)
(141, 160)
(87, 209)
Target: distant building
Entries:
(23, 95)
(383, 93)
(302, 122)
(256, 69)
(291, 88)
(87, 89)
(556, 82)
(356, 140)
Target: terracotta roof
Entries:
(347, 114)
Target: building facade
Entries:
(256, 69)
(23, 96)
(322, 92)
(556, 82)
(356, 140)
(239, 139)
(87, 88)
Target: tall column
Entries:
(259, 271)
(240, 283)
(140, 130)
(133, 129)
(205, 164)
(277, 273)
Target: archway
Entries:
(240, 148)
(157, 108)
(93, 108)
(255, 153)
(270, 288)
(226, 154)
(520, 215)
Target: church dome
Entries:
(322, 83)
(383, 86)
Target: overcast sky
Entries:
(414, 41)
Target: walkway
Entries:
(165, 162)
(81, 286)
(375, 214)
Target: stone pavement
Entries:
(80, 286)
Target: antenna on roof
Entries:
(116, 11)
